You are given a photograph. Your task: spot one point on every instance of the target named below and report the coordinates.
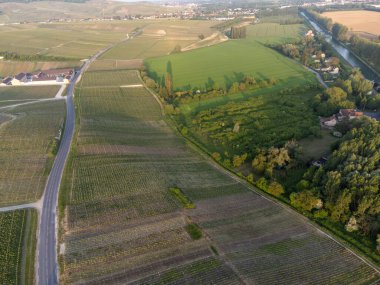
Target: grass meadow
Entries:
(125, 158)
(274, 33)
(229, 62)
(27, 141)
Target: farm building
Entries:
(19, 78)
(58, 75)
(309, 34)
(349, 113)
(330, 121)
(7, 81)
(40, 77)
(334, 71)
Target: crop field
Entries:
(272, 33)
(75, 40)
(266, 117)
(228, 62)
(111, 78)
(112, 64)
(122, 225)
(17, 246)
(28, 92)
(26, 146)
(160, 38)
(366, 22)
(8, 68)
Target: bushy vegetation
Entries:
(35, 57)
(242, 123)
(194, 231)
(181, 197)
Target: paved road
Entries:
(47, 265)
(319, 77)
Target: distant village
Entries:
(55, 76)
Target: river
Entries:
(344, 52)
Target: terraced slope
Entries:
(123, 226)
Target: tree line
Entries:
(238, 32)
(31, 57)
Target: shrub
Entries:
(275, 189)
(194, 231)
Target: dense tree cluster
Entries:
(238, 32)
(331, 100)
(339, 32)
(338, 97)
(268, 159)
(349, 183)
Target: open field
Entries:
(272, 33)
(14, 67)
(74, 41)
(361, 22)
(110, 78)
(18, 230)
(112, 64)
(228, 62)
(42, 11)
(266, 117)
(314, 148)
(27, 92)
(10, 95)
(160, 38)
(26, 150)
(125, 159)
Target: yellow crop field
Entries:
(363, 22)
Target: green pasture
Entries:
(229, 62)
(273, 33)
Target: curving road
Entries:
(47, 264)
